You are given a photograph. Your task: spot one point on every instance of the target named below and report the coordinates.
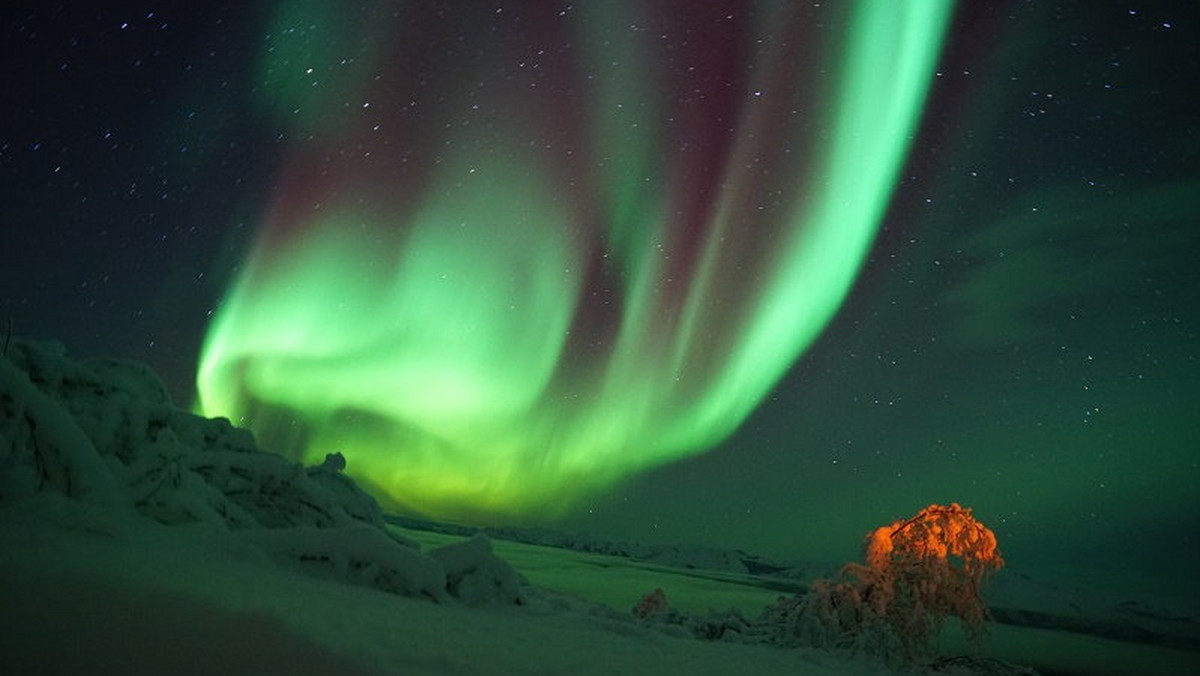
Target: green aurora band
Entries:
(494, 333)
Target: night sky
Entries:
(1021, 336)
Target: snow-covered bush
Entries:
(652, 604)
(655, 611)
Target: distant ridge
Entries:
(677, 556)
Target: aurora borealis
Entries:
(1019, 333)
(542, 303)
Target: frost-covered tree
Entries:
(917, 572)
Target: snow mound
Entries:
(357, 554)
(477, 576)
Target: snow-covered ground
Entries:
(1072, 627)
(191, 599)
(138, 538)
(1077, 601)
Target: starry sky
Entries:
(1020, 335)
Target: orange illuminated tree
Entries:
(917, 572)
(934, 565)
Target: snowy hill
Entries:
(139, 538)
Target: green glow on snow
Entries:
(430, 343)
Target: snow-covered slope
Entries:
(102, 433)
(138, 538)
